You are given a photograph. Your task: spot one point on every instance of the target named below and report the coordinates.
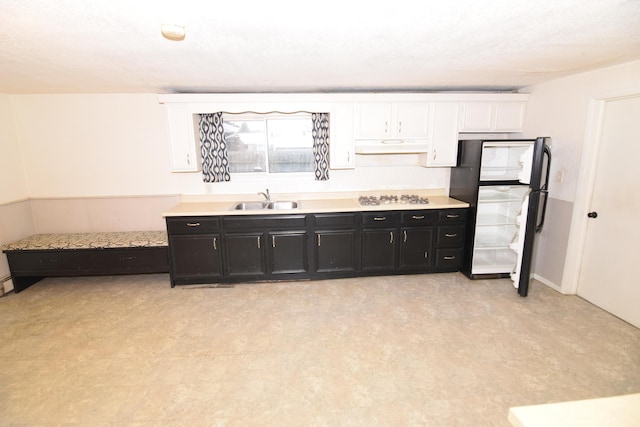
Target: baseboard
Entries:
(547, 282)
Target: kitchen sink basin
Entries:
(283, 205)
(253, 206)
(250, 206)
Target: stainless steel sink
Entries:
(250, 206)
(254, 206)
(283, 205)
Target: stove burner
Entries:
(389, 199)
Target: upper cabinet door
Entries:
(342, 144)
(184, 155)
(443, 149)
(493, 116)
(392, 120)
(373, 120)
(412, 119)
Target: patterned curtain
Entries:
(320, 123)
(215, 160)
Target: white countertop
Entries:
(617, 411)
(349, 203)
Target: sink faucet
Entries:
(266, 195)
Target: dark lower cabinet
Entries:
(335, 251)
(194, 257)
(288, 252)
(244, 254)
(379, 249)
(315, 246)
(416, 249)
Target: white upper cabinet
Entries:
(341, 142)
(443, 144)
(392, 120)
(184, 154)
(492, 116)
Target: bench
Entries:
(86, 254)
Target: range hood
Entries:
(391, 146)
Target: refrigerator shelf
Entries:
(483, 220)
(498, 261)
(498, 197)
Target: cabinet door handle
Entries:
(379, 218)
(258, 242)
(193, 224)
(391, 237)
(404, 235)
(273, 241)
(449, 258)
(318, 240)
(451, 235)
(188, 160)
(453, 216)
(215, 243)
(386, 127)
(426, 254)
(434, 154)
(400, 127)
(417, 217)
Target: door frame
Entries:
(584, 193)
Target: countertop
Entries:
(348, 203)
(124, 239)
(616, 411)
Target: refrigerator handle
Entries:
(543, 192)
(547, 152)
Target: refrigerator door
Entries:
(507, 161)
(517, 246)
(497, 226)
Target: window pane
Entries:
(269, 143)
(290, 144)
(246, 145)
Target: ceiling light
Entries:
(172, 31)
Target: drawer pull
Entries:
(379, 218)
(258, 242)
(193, 224)
(391, 237)
(273, 241)
(127, 258)
(449, 258)
(453, 216)
(215, 243)
(404, 235)
(418, 217)
(451, 235)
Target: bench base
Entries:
(28, 267)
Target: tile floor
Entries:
(423, 350)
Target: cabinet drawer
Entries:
(264, 221)
(335, 220)
(419, 217)
(48, 262)
(450, 216)
(139, 260)
(450, 236)
(380, 219)
(192, 225)
(449, 258)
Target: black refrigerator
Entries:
(505, 183)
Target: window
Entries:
(271, 143)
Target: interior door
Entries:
(608, 273)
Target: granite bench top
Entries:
(124, 239)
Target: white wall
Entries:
(12, 175)
(560, 109)
(16, 219)
(117, 145)
(94, 145)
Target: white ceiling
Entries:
(98, 46)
